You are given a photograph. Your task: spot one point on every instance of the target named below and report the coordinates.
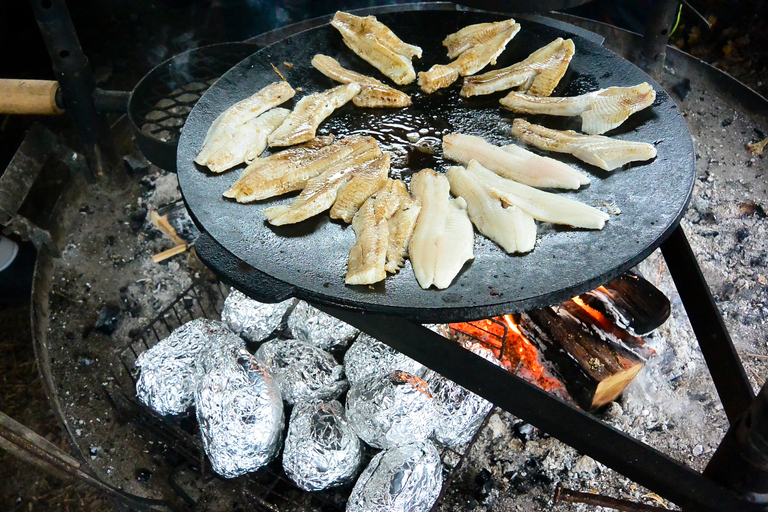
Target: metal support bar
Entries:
(585, 433)
(657, 32)
(76, 81)
(723, 361)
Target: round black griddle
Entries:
(309, 260)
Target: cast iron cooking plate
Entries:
(309, 260)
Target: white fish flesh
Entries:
(364, 182)
(542, 206)
(538, 74)
(373, 93)
(375, 43)
(603, 152)
(473, 49)
(401, 226)
(443, 239)
(227, 124)
(301, 125)
(507, 225)
(512, 162)
(600, 111)
(248, 142)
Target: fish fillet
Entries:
(365, 181)
(262, 180)
(538, 74)
(603, 152)
(400, 227)
(443, 239)
(248, 142)
(320, 191)
(512, 162)
(542, 206)
(224, 127)
(373, 93)
(473, 50)
(600, 111)
(375, 43)
(509, 226)
(368, 256)
(301, 125)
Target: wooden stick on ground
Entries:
(157, 258)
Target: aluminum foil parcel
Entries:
(368, 357)
(303, 370)
(251, 319)
(405, 478)
(167, 379)
(239, 410)
(321, 449)
(309, 324)
(392, 410)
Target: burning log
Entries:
(593, 370)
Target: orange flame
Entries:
(600, 319)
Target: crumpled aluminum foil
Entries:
(239, 410)
(460, 412)
(392, 410)
(406, 478)
(321, 449)
(303, 370)
(309, 324)
(251, 319)
(368, 357)
(167, 378)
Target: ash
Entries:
(513, 466)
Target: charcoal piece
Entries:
(251, 319)
(311, 325)
(108, 319)
(321, 449)
(368, 357)
(406, 478)
(302, 370)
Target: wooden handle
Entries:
(28, 97)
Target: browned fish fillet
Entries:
(320, 192)
(276, 164)
(600, 111)
(224, 127)
(301, 124)
(375, 43)
(538, 74)
(373, 92)
(368, 256)
(603, 152)
(365, 181)
(400, 227)
(479, 48)
(291, 173)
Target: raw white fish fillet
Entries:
(513, 162)
(542, 206)
(225, 126)
(373, 93)
(301, 125)
(375, 43)
(364, 182)
(538, 74)
(600, 111)
(474, 47)
(603, 152)
(443, 239)
(280, 174)
(248, 142)
(509, 226)
(320, 192)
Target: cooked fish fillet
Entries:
(364, 182)
(224, 127)
(401, 226)
(262, 180)
(542, 206)
(273, 165)
(372, 94)
(512, 162)
(443, 239)
(509, 226)
(603, 152)
(475, 51)
(301, 125)
(375, 43)
(368, 256)
(248, 142)
(538, 74)
(600, 111)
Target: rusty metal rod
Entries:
(598, 500)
